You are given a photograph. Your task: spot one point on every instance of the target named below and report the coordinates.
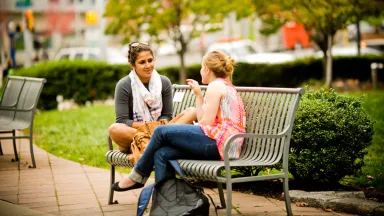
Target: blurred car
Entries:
(247, 51)
(377, 44)
(163, 49)
(349, 51)
(113, 56)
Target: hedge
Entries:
(89, 80)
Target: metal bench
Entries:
(17, 109)
(270, 117)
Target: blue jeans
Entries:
(171, 142)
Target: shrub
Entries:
(79, 80)
(329, 138)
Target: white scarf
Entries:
(147, 105)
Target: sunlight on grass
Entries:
(373, 102)
(79, 135)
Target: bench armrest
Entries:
(12, 105)
(15, 109)
(227, 144)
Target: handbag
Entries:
(141, 139)
(174, 197)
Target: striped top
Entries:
(230, 120)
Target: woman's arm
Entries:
(123, 93)
(215, 92)
(166, 93)
(194, 85)
(213, 95)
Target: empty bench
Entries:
(270, 115)
(17, 110)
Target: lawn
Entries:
(374, 160)
(81, 135)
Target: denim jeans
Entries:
(170, 142)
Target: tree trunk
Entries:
(320, 38)
(358, 36)
(183, 69)
(324, 63)
(328, 78)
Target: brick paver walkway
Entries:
(61, 187)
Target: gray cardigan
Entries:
(124, 104)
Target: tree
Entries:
(178, 20)
(322, 18)
(373, 12)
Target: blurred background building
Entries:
(55, 24)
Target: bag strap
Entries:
(213, 203)
(177, 167)
(144, 198)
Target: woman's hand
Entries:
(194, 85)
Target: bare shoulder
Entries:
(217, 87)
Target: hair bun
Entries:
(229, 64)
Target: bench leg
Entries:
(221, 195)
(31, 150)
(1, 149)
(111, 192)
(286, 197)
(14, 147)
(229, 199)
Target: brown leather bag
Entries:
(142, 137)
(143, 134)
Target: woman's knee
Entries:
(190, 110)
(158, 132)
(120, 130)
(112, 130)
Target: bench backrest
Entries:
(269, 111)
(27, 97)
(12, 91)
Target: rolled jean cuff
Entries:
(137, 177)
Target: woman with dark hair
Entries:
(143, 95)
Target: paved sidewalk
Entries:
(61, 187)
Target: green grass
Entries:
(79, 135)
(373, 102)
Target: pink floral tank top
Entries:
(230, 120)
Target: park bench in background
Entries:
(270, 117)
(17, 109)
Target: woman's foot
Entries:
(126, 184)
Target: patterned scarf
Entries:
(147, 105)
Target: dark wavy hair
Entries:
(134, 51)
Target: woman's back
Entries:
(230, 120)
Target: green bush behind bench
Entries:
(88, 80)
(330, 137)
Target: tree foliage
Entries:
(322, 18)
(178, 20)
